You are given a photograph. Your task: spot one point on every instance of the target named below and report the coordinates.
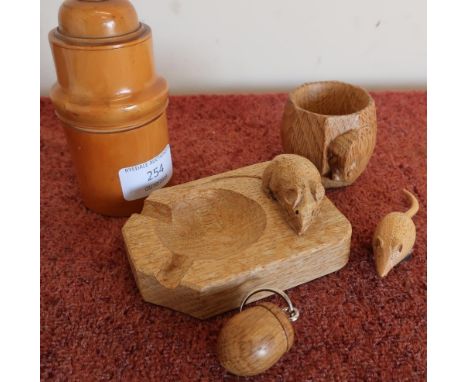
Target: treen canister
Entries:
(112, 104)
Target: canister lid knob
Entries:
(97, 18)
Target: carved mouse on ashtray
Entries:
(295, 183)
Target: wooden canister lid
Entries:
(106, 77)
(97, 18)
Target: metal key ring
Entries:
(291, 310)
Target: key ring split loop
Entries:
(291, 310)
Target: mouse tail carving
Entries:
(331, 183)
(414, 204)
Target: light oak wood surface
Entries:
(296, 185)
(394, 237)
(201, 246)
(334, 125)
(253, 340)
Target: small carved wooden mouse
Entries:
(348, 155)
(394, 237)
(296, 184)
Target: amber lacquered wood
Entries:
(253, 340)
(394, 237)
(98, 157)
(108, 96)
(334, 125)
(97, 18)
(200, 247)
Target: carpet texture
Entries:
(353, 326)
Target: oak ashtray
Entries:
(201, 246)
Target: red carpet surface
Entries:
(354, 326)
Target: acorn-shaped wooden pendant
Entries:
(253, 340)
